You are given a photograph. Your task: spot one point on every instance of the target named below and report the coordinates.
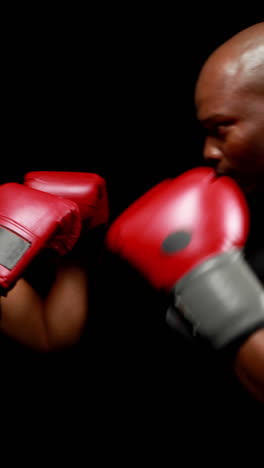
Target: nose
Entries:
(211, 151)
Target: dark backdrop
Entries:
(111, 92)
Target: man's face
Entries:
(233, 119)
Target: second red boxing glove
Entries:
(86, 189)
(30, 221)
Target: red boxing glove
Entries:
(186, 236)
(180, 223)
(86, 189)
(31, 220)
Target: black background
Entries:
(111, 91)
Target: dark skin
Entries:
(229, 98)
(52, 320)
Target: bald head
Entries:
(239, 62)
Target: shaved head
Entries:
(239, 62)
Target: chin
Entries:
(247, 185)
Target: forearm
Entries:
(52, 322)
(249, 365)
(22, 317)
(67, 304)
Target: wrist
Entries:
(222, 300)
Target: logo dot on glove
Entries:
(176, 241)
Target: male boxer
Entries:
(229, 98)
(187, 235)
(45, 303)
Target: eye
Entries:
(222, 128)
(219, 129)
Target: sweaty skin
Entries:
(229, 99)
